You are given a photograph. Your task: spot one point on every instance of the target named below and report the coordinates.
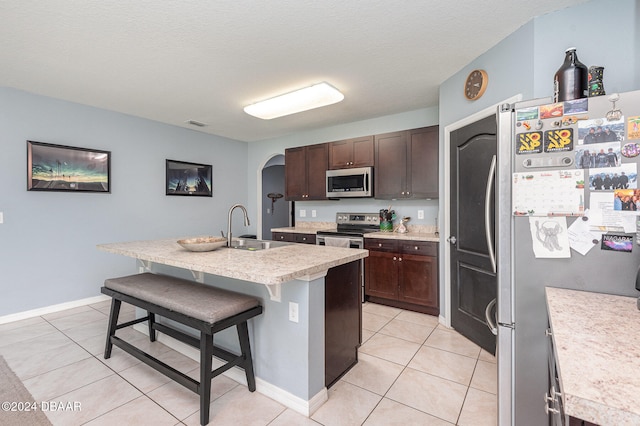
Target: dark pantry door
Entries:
(473, 282)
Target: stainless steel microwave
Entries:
(356, 182)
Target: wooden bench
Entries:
(202, 307)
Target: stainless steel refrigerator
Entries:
(537, 141)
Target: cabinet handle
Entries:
(379, 244)
(399, 259)
(395, 258)
(548, 409)
(416, 248)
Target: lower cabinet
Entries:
(402, 273)
(342, 321)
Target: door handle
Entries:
(452, 239)
(488, 229)
(487, 315)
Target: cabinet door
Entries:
(363, 152)
(381, 275)
(391, 163)
(418, 276)
(295, 172)
(340, 155)
(422, 168)
(317, 163)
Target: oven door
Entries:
(340, 241)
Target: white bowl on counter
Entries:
(203, 243)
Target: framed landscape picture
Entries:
(189, 179)
(65, 168)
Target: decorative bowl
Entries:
(203, 243)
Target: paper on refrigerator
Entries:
(581, 236)
(603, 217)
(550, 237)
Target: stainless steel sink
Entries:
(251, 244)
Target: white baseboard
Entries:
(306, 408)
(53, 308)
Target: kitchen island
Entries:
(596, 338)
(289, 355)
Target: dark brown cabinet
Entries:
(343, 320)
(402, 273)
(305, 172)
(356, 152)
(294, 237)
(406, 164)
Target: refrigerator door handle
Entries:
(488, 229)
(487, 315)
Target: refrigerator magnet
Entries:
(529, 143)
(558, 140)
(633, 127)
(614, 242)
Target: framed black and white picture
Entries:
(191, 179)
(66, 168)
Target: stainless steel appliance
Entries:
(537, 137)
(349, 232)
(356, 182)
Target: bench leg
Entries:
(245, 347)
(151, 321)
(206, 355)
(113, 322)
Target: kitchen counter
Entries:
(414, 236)
(271, 266)
(307, 227)
(597, 343)
(289, 357)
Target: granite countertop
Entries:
(305, 229)
(272, 266)
(597, 342)
(413, 236)
(416, 232)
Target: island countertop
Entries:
(271, 266)
(597, 341)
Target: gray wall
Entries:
(48, 239)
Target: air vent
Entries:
(196, 123)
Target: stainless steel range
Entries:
(350, 230)
(350, 233)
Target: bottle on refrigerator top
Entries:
(571, 79)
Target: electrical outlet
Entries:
(420, 214)
(293, 312)
(1, 217)
(303, 213)
(313, 213)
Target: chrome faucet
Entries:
(246, 221)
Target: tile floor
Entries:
(411, 371)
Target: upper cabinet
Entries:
(356, 152)
(406, 164)
(305, 172)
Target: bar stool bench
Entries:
(199, 306)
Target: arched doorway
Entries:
(275, 212)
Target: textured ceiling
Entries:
(178, 60)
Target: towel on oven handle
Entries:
(336, 242)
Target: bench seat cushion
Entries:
(193, 299)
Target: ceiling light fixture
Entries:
(318, 95)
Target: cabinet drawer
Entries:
(381, 244)
(282, 236)
(420, 248)
(305, 238)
